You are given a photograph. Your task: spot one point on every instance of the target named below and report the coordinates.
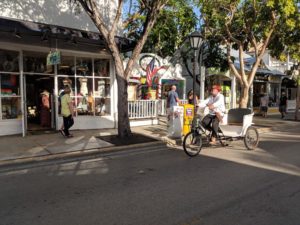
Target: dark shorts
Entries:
(264, 108)
(282, 108)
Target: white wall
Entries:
(56, 12)
(9, 127)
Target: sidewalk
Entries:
(16, 149)
(46, 146)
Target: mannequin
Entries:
(83, 86)
(101, 88)
(68, 82)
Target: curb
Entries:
(72, 155)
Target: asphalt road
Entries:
(158, 186)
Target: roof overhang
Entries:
(52, 36)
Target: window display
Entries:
(102, 106)
(91, 95)
(101, 68)
(67, 66)
(10, 96)
(102, 88)
(11, 107)
(9, 61)
(83, 67)
(35, 62)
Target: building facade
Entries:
(45, 45)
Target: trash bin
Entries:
(187, 118)
(175, 122)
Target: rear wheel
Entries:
(192, 143)
(251, 138)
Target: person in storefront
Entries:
(67, 112)
(172, 100)
(45, 109)
(282, 105)
(216, 105)
(264, 103)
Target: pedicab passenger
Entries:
(216, 105)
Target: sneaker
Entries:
(62, 133)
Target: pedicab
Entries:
(237, 124)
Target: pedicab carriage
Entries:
(236, 125)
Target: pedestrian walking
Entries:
(172, 100)
(264, 102)
(282, 105)
(67, 112)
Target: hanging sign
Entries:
(53, 58)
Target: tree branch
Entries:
(242, 67)
(231, 63)
(117, 18)
(263, 49)
(148, 25)
(232, 11)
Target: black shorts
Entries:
(282, 108)
(264, 108)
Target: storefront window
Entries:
(10, 96)
(274, 95)
(101, 68)
(259, 89)
(84, 96)
(67, 66)
(102, 106)
(11, 107)
(102, 96)
(35, 62)
(10, 85)
(84, 67)
(9, 61)
(90, 92)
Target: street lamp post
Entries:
(196, 41)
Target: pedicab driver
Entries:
(216, 105)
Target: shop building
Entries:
(164, 75)
(30, 85)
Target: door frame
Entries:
(53, 103)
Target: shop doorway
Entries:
(39, 103)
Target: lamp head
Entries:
(196, 40)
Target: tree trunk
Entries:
(123, 118)
(244, 97)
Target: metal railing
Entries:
(140, 109)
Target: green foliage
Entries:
(249, 20)
(286, 40)
(174, 23)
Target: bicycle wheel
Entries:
(192, 143)
(251, 138)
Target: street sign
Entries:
(53, 58)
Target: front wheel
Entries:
(192, 143)
(251, 138)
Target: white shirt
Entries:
(218, 103)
